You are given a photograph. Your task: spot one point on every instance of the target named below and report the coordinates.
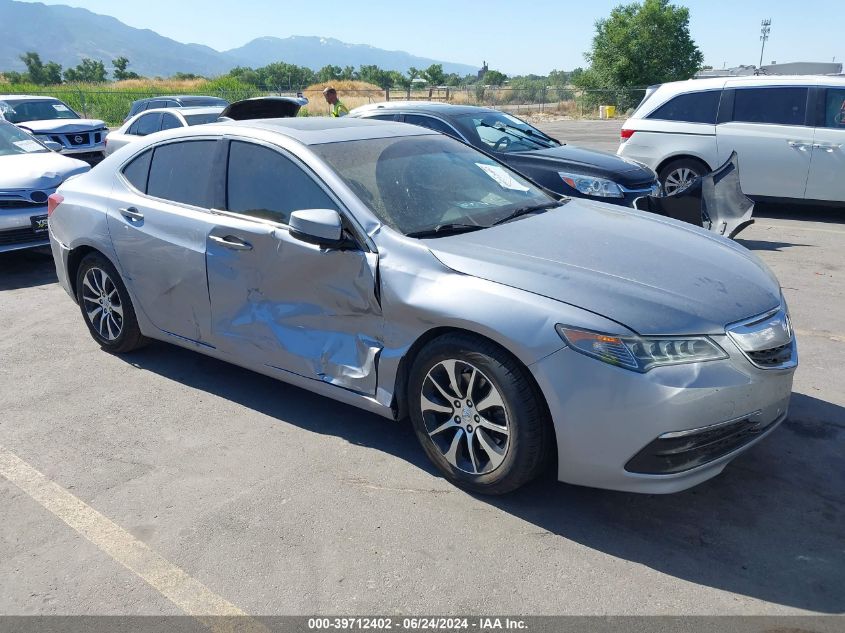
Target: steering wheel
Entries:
(502, 143)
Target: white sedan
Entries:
(151, 121)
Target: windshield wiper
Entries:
(442, 230)
(526, 210)
(520, 134)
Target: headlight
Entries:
(641, 353)
(592, 186)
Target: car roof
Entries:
(315, 130)
(187, 111)
(431, 107)
(180, 97)
(28, 98)
(716, 83)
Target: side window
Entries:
(695, 107)
(834, 108)
(264, 184)
(169, 121)
(782, 106)
(137, 170)
(146, 124)
(155, 103)
(171, 104)
(382, 117)
(430, 122)
(181, 172)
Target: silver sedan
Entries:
(157, 120)
(403, 272)
(29, 173)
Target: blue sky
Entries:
(515, 37)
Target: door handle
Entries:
(801, 147)
(132, 214)
(230, 241)
(828, 148)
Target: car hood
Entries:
(586, 161)
(41, 170)
(62, 126)
(651, 274)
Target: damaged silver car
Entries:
(404, 272)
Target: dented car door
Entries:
(282, 302)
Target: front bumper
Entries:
(659, 432)
(16, 230)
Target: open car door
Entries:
(263, 108)
(714, 201)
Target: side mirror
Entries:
(53, 146)
(317, 226)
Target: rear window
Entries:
(137, 170)
(694, 107)
(181, 172)
(199, 119)
(775, 105)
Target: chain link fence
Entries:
(112, 106)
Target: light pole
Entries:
(765, 28)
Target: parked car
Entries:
(562, 168)
(151, 121)
(788, 132)
(29, 172)
(49, 119)
(406, 273)
(174, 101)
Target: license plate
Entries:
(39, 223)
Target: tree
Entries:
(640, 44)
(348, 73)
(120, 64)
(434, 75)
(494, 78)
(329, 73)
(87, 71)
(375, 75)
(39, 73)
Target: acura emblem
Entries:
(78, 138)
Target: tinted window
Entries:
(172, 104)
(383, 117)
(784, 106)
(146, 124)
(156, 103)
(834, 108)
(264, 184)
(199, 119)
(695, 107)
(429, 122)
(182, 171)
(169, 121)
(137, 170)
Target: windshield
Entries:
(501, 132)
(13, 140)
(19, 110)
(416, 184)
(199, 119)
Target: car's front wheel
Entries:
(477, 414)
(106, 306)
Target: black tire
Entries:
(529, 441)
(100, 292)
(676, 167)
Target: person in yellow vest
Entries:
(336, 107)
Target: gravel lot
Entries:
(281, 502)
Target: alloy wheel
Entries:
(678, 179)
(465, 416)
(102, 303)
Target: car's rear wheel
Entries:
(106, 306)
(679, 174)
(478, 414)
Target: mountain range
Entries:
(66, 34)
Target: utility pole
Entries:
(765, 28)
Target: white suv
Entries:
(789, 134)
